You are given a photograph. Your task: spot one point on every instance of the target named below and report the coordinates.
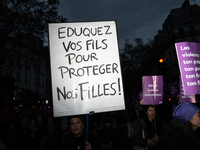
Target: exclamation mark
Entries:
(119, 86)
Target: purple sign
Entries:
(152, 90)
(173, 89)
(189, 63)
(186, 98)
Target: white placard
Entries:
(85, 68)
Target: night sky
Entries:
(134, 18)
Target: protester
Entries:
(34, 135)
(110, 135)
(75, 139)
(125, 126)
(51, 134)
(149, 132)
(183, 128)
(137, 111)
(24, 122)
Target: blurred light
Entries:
(47, 101)
(170, 99)
(20, 105)
(161, 60)
(49, 107)
(13, 98)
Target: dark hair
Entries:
(147, 106)
(107, 120)
(54, 120)
(36, 122)
(78, 116)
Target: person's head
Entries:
(136, 106)
(107, 121)
(52, 121)
(188, 114)
(150, 112)
(33, 124)
(13, 125)
(76, 125)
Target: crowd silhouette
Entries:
(136, 127)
